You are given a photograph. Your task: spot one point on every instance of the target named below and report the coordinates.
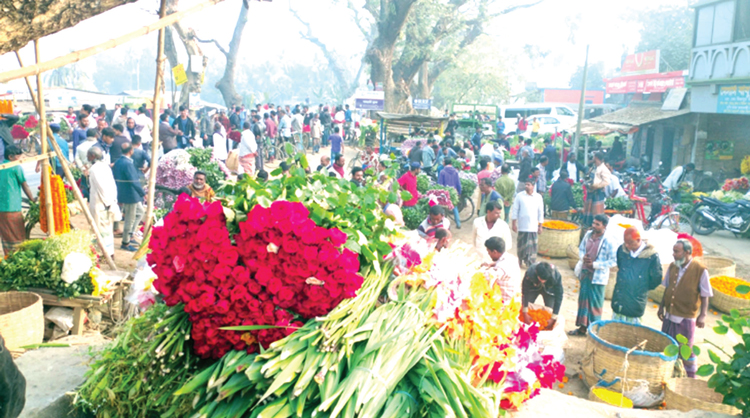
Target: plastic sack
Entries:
(62, 317)
(642, 396)
(616, 227)
(663, 240)
(74, 266)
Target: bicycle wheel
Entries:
(281, 151)
(466, 209)
(672, 221)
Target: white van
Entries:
(565, 115)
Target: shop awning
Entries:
(637, 115)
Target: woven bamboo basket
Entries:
(657, 294)
(725, 303)
(593, 397)
(685, 394)
(21, 319)
(718, 266)
(572, 253)
(609, 291)
(553, 243)
(607, 342)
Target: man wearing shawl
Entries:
(103, 197)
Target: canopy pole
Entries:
(155, 115)
(72, 180)
(581, 107)
(85, 53)
(45, 162)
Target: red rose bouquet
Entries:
(283, 268)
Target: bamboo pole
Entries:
(85, 53)
(50, 154)
(72, 180)
(155, 115)
(45, 162)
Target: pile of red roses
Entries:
(283, 268)
(739, 184)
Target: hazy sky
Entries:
(272, 34)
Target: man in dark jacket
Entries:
(116, 151)
(12, 385)
(185, 125)
(130, 195)
(551, 153)
(545, 280)
(562, 197)
(167, 134)
(638, 271)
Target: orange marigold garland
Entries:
(560, 225)
(59, 206)
(540, 316)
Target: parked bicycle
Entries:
(662, 210)
(466, 209)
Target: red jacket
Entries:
(408, 182)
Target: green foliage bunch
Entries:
(200, 158)
(39, 263)
(137, 374)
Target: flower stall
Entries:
(298, 297)
(63, 270)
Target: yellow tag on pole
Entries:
(203, 77)
(180, 76)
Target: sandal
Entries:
(577, 333)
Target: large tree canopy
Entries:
(669, 29)
(25, 20)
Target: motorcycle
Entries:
(712, 214)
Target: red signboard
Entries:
(648, 85)
(572, 96)
(641, 63)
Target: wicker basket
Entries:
(554, 242)
(609, 291)
(718, 266)
(657, 294)
(594, 398)
(572, 253)
(606, 345)
(21, 319)
(685, 394)
(725, 303)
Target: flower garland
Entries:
(59, 206)
(282, 269)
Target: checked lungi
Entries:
(527, 247)
(590, 300)
(593, 206)
(687, 329)
(12, 231)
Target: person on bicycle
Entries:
(285, 126)
(297, 126)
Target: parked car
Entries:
(547, 124)
(565, 115)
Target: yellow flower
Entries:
(99, 280)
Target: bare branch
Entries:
(211, 41)
(516, 7)
(367, 33)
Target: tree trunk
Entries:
(226, 83)
(26, 20)
(188, 40)
(391, 18)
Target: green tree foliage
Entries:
(669, 29)
(478, 77)
(594, 78)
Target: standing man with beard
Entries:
(685, 302)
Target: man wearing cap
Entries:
(638, 271)
(685, 302)
(408, 182)
(527, 216)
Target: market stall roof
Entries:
(396, 118)
(639, 114)
(589, 127)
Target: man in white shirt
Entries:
(248, 149)
(81, 159)
(677, 176)
(143, 127)
(285, 125)
(486, 151)
(527, 216)
(103, 197)
(491, 225)
(503, 271)
(614, 188)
